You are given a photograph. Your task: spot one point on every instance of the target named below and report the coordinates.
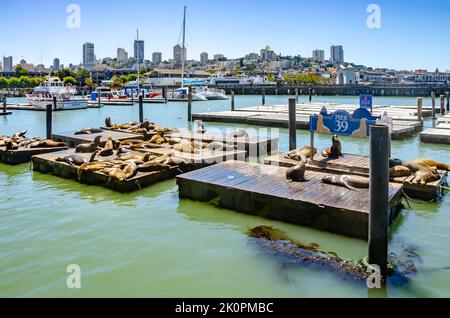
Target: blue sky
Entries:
(413, 34)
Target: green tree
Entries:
(131, 77)
(4, 82)
(14, 82)
(70, 80)
(66, 72)
(88, 82)
(117, 81)
(21, 71)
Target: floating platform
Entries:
(405, 123)
(73, 140)
(359, 165)
(444, 119)
(436, 136)
(27, 106)
(15, 157)
(2, 113)
(262, 190)
(254, 145)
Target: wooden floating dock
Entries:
(438, 135)
(33, 108)
(359, 165)
(73, 140)
(146, 136)
(262, 190)
(253, 145)
(2, 113)
(14, 157)
(405, 123)
(204, 157)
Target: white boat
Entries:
(211, 93)
(182, 95)
(43, 95)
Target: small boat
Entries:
(211, 93)
(182, 95)
(43, 95)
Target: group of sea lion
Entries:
(139, 128)
(424, 170)
(18, 140)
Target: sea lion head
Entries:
(97, 140)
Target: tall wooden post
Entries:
(98, 98)
(141, 108)
(448, 101)
(310, 94)
(442, 104)
(263, 96)
(48, 120)
(292, 124)
(296, 95)
(379, 196)
(190, 104)
(232, 101)
(164, 92)
(4, 104)
(433, 105)
(419, 108)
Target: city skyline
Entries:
(394, 47)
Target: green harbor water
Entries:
(151, 244)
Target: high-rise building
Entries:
(139, 50)
(267, 54)
(218, 57)
(8, 64)
(337, 54)
(122, 55)
(178, 54)
(55, 66)
(156, 57)
(88, 54)
(319, 55)
(204, 58)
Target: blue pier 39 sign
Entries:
(365, 101)
(343, 123)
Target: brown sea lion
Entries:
(217, 145)
(200, 127)
(351, 182)
(416, 166)
(296, 173)
(88, 131)
(335, 151)
(122, 150)
(425, 176)
(47, 143)
(89, 147)
(10, 145)
(130, 169)
(432, 163)
(185, 146)
(175, 161)
(115, 173)
(20, 134)
(129, 156)
(158, 139)
(108, 148)
(152, 166)
(399, 171)
(76, 159)
(295, 155)
(108, 122)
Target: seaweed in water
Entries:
(278, 243)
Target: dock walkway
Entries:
(262, 190)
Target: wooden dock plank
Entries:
(73, 140)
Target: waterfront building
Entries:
(156, 57)
(55, 66)
(424, 77)
(8, 64)
(345, 75)
(178, 54)
(318, 55)
(88, 54)
(204, 58)
(122, 55)
(337, 54)
(139, 50)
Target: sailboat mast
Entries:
(183, 50)
(138, 57)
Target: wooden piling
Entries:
(98, 98)
(164, 92)
(141, 108)
(433, 105)
(4, 104)
(48, 121)
(292, 124)
(379, 197)
(232, 101)
(419, 108)
(442, 104)
(448, 101)
(310, 94)
(296, 95)
(190, 104)
(263, 96)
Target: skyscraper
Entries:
(204, 58)
(88, 54)
(178, 54)
(337, 54)
(55, 66)
(7, 64)
(122, 55)
(139, 50)
(156, 57)
(319, 55)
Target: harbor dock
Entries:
(260, 189)
(73, 140)
(22, 155)
(405, 119)
(438, 135)
(359, 165)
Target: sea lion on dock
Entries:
(108, 122)
(302, 153)
(151, 166)
(296, 173)
(424, 176)
(432, 163)
(76, 159)
(20, 134)
(414, 166)
(88, 131)
(130, 169)
(115, 173)
(47, 143)
(89, 147)
(108, 148)
(239, 133)
(10, 145)
(185, 146)
(351, 182)
(217, 145)
(335, 151)
(122, 150)
(158, 139)
(399, 171)
(200, 127)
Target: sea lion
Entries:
(414, 166)
(239, 133)
(152, 166)
(199, 144)
(335, 151)
(129, 156)
(185, 146)
(351, 182)
(76, 159)
(200, 127)
(88, 131)
(20, 134)
(295, 154)
(130, 169)
(395, 162)
(306, 151)
(89, 147)
(122, 150)
(432, 163)
(47, 143)
(296, 173)
(399, 171)
(115, 172)
(108, 148)
(10, 145)
(217, 145)
(108, 122)
(425, 176)
(175, 161)
(158, 139)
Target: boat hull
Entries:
(60, 105)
